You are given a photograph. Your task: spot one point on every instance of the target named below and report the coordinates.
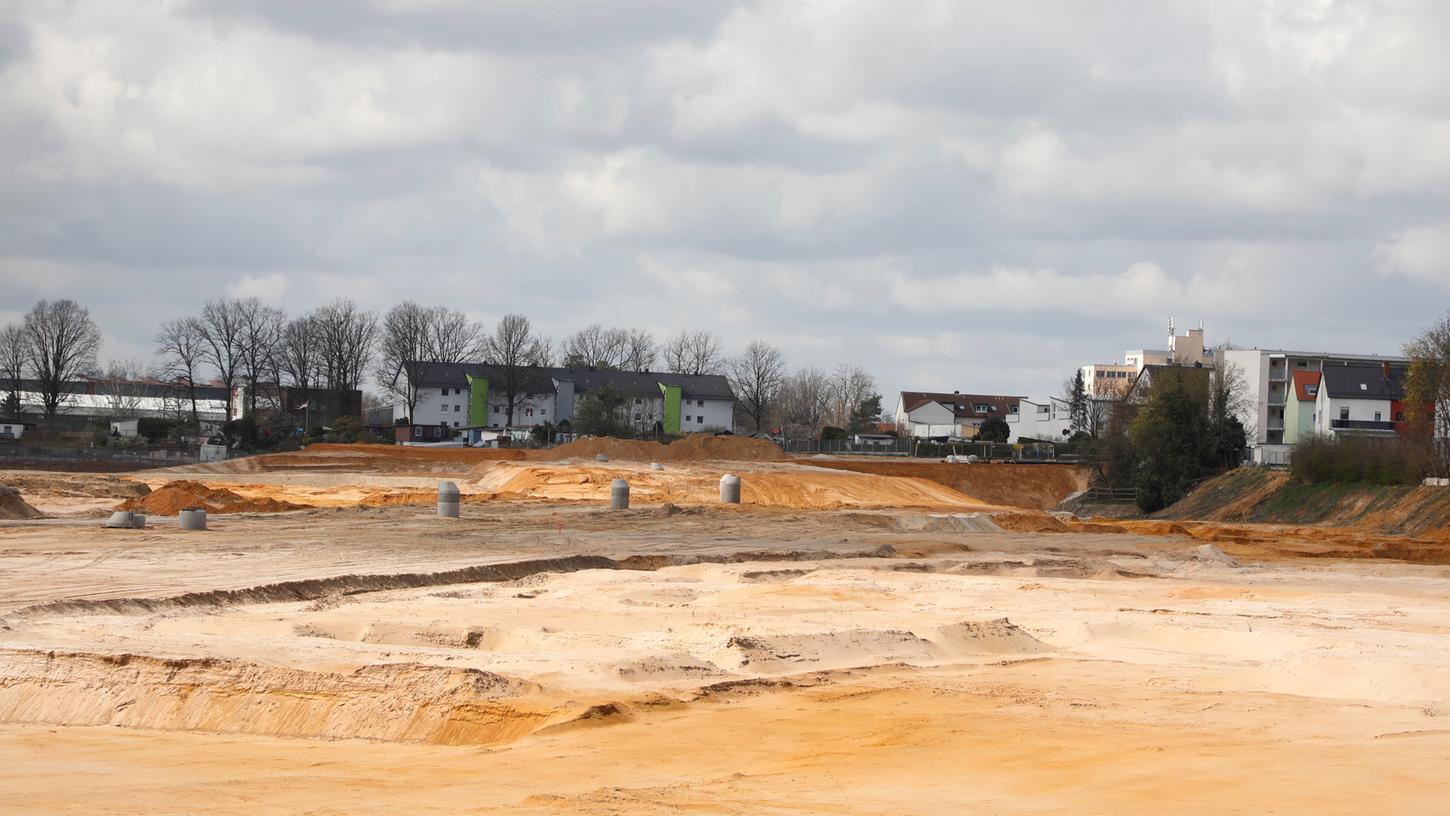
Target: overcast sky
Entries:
(956, 195)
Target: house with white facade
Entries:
(1050, 419)
(107, 399)
(956, 415)
(1360, 400)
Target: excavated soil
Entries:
(14, 507)
(1039, 487)
(173, 497)
(698, 448)
(913, 649)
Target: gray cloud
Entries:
(959, 195)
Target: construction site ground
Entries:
(858, 636)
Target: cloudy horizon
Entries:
(953, 195)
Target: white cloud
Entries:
(1422, 253)
(267, 288)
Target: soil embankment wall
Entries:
(1035, 487)
(1251, 495)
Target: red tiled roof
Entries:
(1303, 378)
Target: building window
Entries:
(700, 403)
(458, 409)
(699, 420)
(543, 412)
(1376, 416)
(687, 417)
(1312, 389)
(1344, 413)
(455, 423)
(528, 412)
(498, 409)
(1399, 417)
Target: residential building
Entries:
(1360, 400)
(1300, 411)
(954, 415)
(1048, 420)
(1112, 379)
(1269, 381)
(473, 396)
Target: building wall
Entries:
(1255, 416)
(11, 430)
(698, 414)
(931, 419)
(1328, 409)
(1299, 417)
(1033, 422)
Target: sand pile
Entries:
(173, 497)
(325, 457)
(14, 507)
(697, 448)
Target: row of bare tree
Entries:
(244, 342)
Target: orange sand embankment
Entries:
(1039, 487)
(173, 497)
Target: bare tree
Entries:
(639, 351)
(123, 388)
(347, 338)
(179, 343)
(222, 330)
(850, 386)
(513, 348)
(296, 358)
(693, 353)
(14, 357)
(756, 377)
(805, 398)
(596, 347)
(414, 338)
(61, 341)
(261, 333)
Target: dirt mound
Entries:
(173, 497)
(368, 459)
(1036, 487)
(1029, 523)
(698, 448)
(14, 507)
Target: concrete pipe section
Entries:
(619, 495)
(447, 500)
(192, 518)
(121, 520)
(730, 489)
(656, 466)
(138, 520)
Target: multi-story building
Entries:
(1113, 379)
(1273, 392)
(475, 396)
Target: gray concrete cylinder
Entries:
(619, 495)
(138, 520)
(120, 519)
(192, 518)
(447, 500)
(730, 489)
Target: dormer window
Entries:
(1312, 389)
(983, 408)
(1364, 386)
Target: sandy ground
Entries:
(548, 656)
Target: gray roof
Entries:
(647, 383)
(541, 380)
(1365, 382)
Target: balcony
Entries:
(1278, 374)
(1361, 425)
(1276, 424)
